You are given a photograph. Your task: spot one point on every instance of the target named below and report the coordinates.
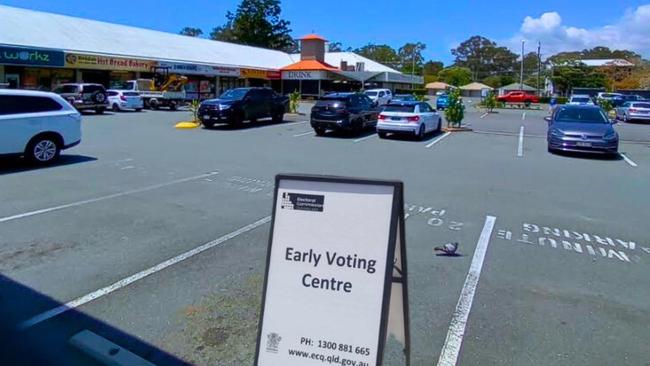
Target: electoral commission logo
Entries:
(30, 56)
(302, 202)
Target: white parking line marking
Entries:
(628, 160)
(523, 116)
(438, 139)
(484, 115)
(365, 138)
(138, 276)
(451, 349)
(304, 134)
(520, 148)
(291, 124)
(103, 198)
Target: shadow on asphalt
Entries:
(588, 156)
(17, 165)
(409, 137)
(245, 126)
(348, 135)
(48, 342)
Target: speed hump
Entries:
(336, 279)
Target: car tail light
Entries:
(382, 117)
(122, 97)
(413, 119)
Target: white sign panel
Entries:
(197, 69)
(304, 75)
(329, 272)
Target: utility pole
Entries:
(539, 64)
(521, 73)
(413, 69)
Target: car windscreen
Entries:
(399, 108)
(581, 115)
(580, 100)
(641, 105)
(234, 94)
(371, 93)
(66, 89)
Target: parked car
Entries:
(580, 99)
(442, 102)
(632, 98)
(37, 125)
(616, 99)
(581, 129)
(631, 111)
(518, 97)
(412, 118)
(235, 106)
(84, 96)
(379, 96)
(403, 98)
(343, 112)
(120, 100)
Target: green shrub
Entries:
(294, 100)
(194, 110)
(490, 101)
(605, 104)
(455, 112)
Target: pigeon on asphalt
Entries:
(447, 249)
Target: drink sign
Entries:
(336, 254)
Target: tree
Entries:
(484, 57)
(457, 76)
(490, 101)
(493, 81)
(191, 32)
(455, 111)
(256, 23)
(577, 75)
(432, 67)
(384, 54)
(410, 54)
(335, 47)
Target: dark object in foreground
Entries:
(448, 249)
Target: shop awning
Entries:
(309, 65)
(357, 75)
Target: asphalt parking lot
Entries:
(162, 234)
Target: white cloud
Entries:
(631, 31)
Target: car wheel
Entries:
(98, 97)
(43, 150)
(237, 120)
(153, 104)
(100, 110)
(208, 124)
(138, 109)
(382, 135)
(278, 116)
(320, 131)
(625, 119)
(115, 108)
(172, 106)
(420, 135)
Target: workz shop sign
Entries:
(334, 257)
(95, 62)
(30, 57)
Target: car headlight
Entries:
(224, 106)
(611, 135)
(557, 133)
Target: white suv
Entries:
(37, 125)
(380, 96)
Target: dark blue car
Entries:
(581, 128)
(442, 102)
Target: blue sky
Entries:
(559, 25)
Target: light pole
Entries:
(539, 64)
(521, 73)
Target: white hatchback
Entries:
(37, 125)
(412, 118)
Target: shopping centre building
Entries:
(42, 50)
